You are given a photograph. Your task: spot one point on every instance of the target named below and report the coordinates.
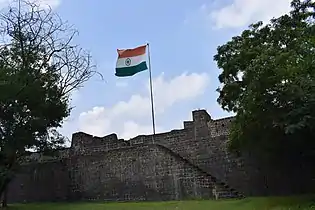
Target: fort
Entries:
(188, 163)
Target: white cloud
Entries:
(243, 12)
(95, 121)
(132, 129)
(133, 117)
(183, 87)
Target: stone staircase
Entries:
(220, 189)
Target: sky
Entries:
(183, 37)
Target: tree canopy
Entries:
(268, 80)
(39, 68)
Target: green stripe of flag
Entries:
(132, 70)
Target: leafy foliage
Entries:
(268, 80)
(39, 68)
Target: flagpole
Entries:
(153, 118)
(151, 93)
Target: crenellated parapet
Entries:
(38, 157)
(85, 143)
(220, 127)
(88, 143)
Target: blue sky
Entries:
(183, 37)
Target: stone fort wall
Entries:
(192, 162)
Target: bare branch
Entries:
(43, 32)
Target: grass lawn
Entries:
(272, 203)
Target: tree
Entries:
(268, 80)
(39, 68)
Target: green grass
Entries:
(272, 203)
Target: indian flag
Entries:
(131, 61)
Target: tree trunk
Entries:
(1, 194)
(4, 202)
(4, 194)
(4, 187)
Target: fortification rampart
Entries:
(192, 162)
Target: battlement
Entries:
(85, 143)
(201, 117)
(53, 156)
(220, 127)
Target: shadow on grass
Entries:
(260, 203)
(296, 202)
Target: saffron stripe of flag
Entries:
(131, 61)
